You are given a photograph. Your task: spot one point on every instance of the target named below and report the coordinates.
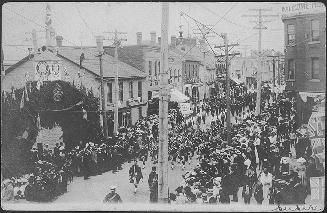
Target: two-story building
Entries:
(86, 72)
(305, 54)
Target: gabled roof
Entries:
(132, 55)
(14, 66)
(92, 62)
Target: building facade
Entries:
(86, 73)
(305, 57)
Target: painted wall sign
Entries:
(298, 8)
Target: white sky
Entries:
(132, 17)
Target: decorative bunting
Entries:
(13, 94)
(27, 99)
(38, 85)
(38, 121)
(84, 114)
(22, 101)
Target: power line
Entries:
(224, 16)
(79, 13)
(243, 26)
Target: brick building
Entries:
(305, 54)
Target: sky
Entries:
(79, 23)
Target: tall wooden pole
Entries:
(104, 114)
(259, 71)
(228, 124)
(163, 109)
(116, 84)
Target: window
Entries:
(131, 89)
(155, 68)
(150, 68)
(139, 92)
(174, 74)
(290, 34)
(140, 112)
(314, 30)
(121, 91)
(109, 94)
(149, 95)
(291, 69)
(178, 75)
(315, 68)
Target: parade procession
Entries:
(96, 118)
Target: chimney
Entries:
(99, 40)
(59, 41)
(153, 37)
(139, 38)
(173, 41)
(159, 40)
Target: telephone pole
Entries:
(99, 41)
(163, 109)
(117, 42)
(260, 27)
(225, 46)
(205, 34)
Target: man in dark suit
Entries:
(153, 185)
(135, 174)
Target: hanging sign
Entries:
(47, 71)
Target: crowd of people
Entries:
(259, 159)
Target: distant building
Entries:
(305, 53)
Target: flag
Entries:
(38, 121)
(38, 85)
(13, 94)
(84, 114)
(22, 100)
(81, 59)
(27, 99)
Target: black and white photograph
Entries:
(163, 106)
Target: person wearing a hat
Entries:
(135, 174)
(153, 185)
(112, 197)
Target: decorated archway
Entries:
(27, 111)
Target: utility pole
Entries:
(259, 72)
(205, 34)
(228, 117)
(163, 108)
(117, 42)
(99, 40)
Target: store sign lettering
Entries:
(303, 8)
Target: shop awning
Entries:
(305, 95)
(175, 95)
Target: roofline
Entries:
(14, 66)
(58, 54)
